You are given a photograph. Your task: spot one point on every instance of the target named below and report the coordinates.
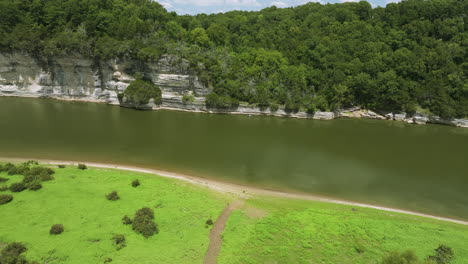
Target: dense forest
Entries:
(409, 56)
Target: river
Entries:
(388, 163)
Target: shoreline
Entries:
(253, 111)
(232, 188)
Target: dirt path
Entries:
(236, 189)
(217, 230)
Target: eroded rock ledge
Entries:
(77, 78)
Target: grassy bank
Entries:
(76, 199)
(264, 230)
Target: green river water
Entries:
(420, 168)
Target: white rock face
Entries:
(324, 115)
(460, 122)
(78, 78)
(420, 120)
(400, 117)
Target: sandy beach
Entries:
(235, 189)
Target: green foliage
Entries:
(274, 107)
(443, 255)
(3, 188)
(135, 183)
(126, 220)
(12, 254)
(188, 98)
(143, 222)
(119, 241)
(82, 166)
(5, 198)
(34, 186)
(113, 196)
(56, 229)
(61, 166)
(140, 92)
(3, 179)
(221, 101)
(17, 187)
(385, 58)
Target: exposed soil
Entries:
(217, 230)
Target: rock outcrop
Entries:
(77, 78)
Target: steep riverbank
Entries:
(81, 79)
(239, 190)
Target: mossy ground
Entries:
(265, 230)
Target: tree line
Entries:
(405, 57)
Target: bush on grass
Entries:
(143, 222)
(56, 229)
(126, 220)
(113, 196)
(443, 255)
(3, 188)
(119, 241)
(11, 254)
(209, 222)
(17, 187)
(82, 166)
(34, 186)
(38, 174)
(135, 183)
(3, 179)
(61, 166)
(5, 198)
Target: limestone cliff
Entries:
(77, 78)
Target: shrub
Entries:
(46, 177)
(34, 186)
(17, 187)
(126, 220)
(31, 162)
(82, 166)
(3, 179)
(113, 196)
(22, 169)
(274, 107)
(3, 188)
(56, 229)
(220, 101)
(119, 241)
(12, 170)
(444, 255)
(5, 198)
(209, 222)
(188, 98)
(143, 222)
(12, 254)
(61, 166)
(108, 260)
(140, 92)
(7, 167)
(135, 183)
(38, 174)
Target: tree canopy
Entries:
(402, 57)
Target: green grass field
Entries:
(264, 230)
